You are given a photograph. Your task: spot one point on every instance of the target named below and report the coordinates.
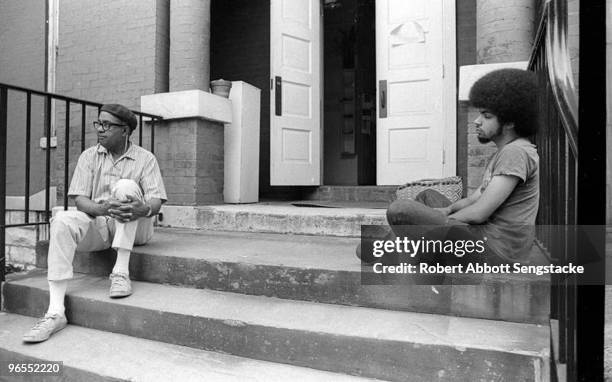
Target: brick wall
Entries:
(109, 51)
(190, 155)
(22, 63)
(112, 51)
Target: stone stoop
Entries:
(94, 355)
(273, 218)
(287, 303)
(310, 268)
(358, 341)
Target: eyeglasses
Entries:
(105, 125)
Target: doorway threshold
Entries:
(385, 194)
(341, 204)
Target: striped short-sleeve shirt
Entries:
(96, 173)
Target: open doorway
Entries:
(349, 110)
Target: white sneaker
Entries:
(121, 286)
(45, 327)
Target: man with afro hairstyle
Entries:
(504, 208)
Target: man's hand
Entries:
(106, 206)
(127, 210)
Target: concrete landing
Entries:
(311, 268)
(274, 218)
(93, 355)
(374, 343)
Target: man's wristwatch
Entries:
(149, 212)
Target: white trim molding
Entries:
(188, 104)
(449, 17)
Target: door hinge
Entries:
(443, 71)
(443, 156)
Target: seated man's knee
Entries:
(65, 217)
(427, 194)
(399, 212)
(125, 187)
(432, 198)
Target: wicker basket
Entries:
(451, 187)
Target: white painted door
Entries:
(413, 97)
(295, 111)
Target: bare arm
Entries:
(497, 191)
(461, 204)
(85, 204)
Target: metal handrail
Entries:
(552, 32)
(550, 57)
(66, 98)
(48, 97)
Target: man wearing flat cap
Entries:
(117, 188)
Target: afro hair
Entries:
(510, 94)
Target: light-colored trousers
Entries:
(76, 231)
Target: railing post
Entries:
(28, 156)
(140, 130)
(3, 128)
(66, 155)
(153, 135)
(83, 120)
(48, 117)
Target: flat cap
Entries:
(121, 112)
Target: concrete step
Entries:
(367, 342)
(311, 268)
(274, 218)
(94, 355)
(354, 193)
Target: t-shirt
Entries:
(510, 230)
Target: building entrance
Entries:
(349, 93)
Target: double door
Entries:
(416, 91)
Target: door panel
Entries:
(411, 123)
(295, 129)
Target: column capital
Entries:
(188, 104)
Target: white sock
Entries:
(122, 265)
(57, 292)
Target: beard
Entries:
(484, 140)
